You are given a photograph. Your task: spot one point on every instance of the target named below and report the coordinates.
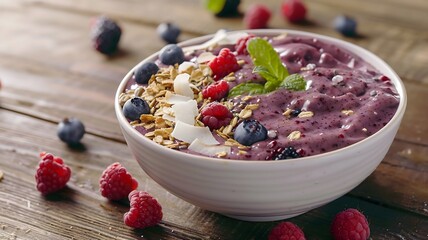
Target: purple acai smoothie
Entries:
(345, 101)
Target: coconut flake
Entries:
(205, 57)
(184, 66)
(172, 98)
(210, 150)
(186, 111)
(182, 85)
(188, 133)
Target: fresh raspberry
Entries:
(52, 174)
(286, 231)
(223, 64)
(241, 45)
(293, 10)
(215, 115)
(350, 225)
(216, 91)
(257, 16)
(145, 210)
(116, 183)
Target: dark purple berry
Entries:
(71, 130)
(169, 32)
(249, 132)
(134, 107)
(171, 54)
(345, 25)
(295, 112)
(287, 153)
(105, 35)
(143, 74)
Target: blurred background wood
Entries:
(49, 71)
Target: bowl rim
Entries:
(354, 49)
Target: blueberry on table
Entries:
(345, 25)
(134, 107)
(169, 32)
(105, 35)
(71, 130)
(288, 153)
(143, 74)
(171, 54)
(249, 132)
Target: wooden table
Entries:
(49, 71)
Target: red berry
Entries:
(286, 231)
(241, 45)
(52, 174)
(223, 64)
(257, 16)
(350, 225)
(215, 115)
(294, 10)
(116, 183)
(216, 91)
(145, 210)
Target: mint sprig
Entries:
(268, 65)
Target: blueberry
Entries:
(134, 107)
(105, 35)
(71, 130)
(143, 74)
(287, 153)
(171, 54)
(345, 25)
(249, 132)
(168, 32)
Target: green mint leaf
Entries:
(246, 88)
(215, 6)
(266, 60)
(294, 82)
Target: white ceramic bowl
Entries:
(265, 190)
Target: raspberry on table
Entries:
(350, 224)
(215, 115)
(52, 174)
(145, 210)
(257, 16)
(223, 64)
(116, 182)
(105, 35)
(216, 91)
(286, 231)
(241, 44)
(293, 10)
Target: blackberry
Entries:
(288, 153)
(105, 35)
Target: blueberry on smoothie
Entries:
(249, 132)
(169, 32)
(171, 54)
(143, 74)
(134, 107)
(345, 25)
(71, 130)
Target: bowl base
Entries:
(263, 218)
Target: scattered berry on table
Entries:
(350, 224)
(241, 44)
(223, 8)
(145, 210)
(171, 54)
(223, 64)
(105, 35)
(116, 182)
(143, 74)
(169, 32)
(294, 10)
(134, 107)
(215, 115)
(286, 231)
(288, 153)
(345, 25)
(216, 91)
(257, 16)
(249, 132)
(71, 130)
(52, 174)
